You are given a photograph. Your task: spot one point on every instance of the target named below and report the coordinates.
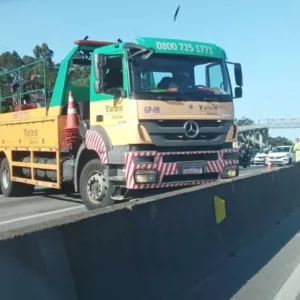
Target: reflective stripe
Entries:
(72, 111)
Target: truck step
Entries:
(120, 198)
(120, 193)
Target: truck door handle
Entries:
(99, 118)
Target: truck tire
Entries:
(11, 188)
(95, 189)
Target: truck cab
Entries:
(155, 86)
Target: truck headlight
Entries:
(230, 171)
(145, 176)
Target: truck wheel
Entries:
(11, 188)
(95, 189)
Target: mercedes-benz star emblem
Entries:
(191, 129)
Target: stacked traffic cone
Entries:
(70, 134)
(269, 165)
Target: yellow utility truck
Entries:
(152, 114)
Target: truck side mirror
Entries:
(238, 74)
(99, 72)
(238, 92)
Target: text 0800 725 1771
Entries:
(184, 47)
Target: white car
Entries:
(261, 156)
(282, 155)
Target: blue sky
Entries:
(262, 35)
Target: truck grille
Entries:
(171, 133)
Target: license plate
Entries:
(191, 169)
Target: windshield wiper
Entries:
(208, 96)
(203, 92)
(165, 97)
(212, 99)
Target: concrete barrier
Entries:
(156, 248)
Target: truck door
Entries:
(105, 105)
(109, 106)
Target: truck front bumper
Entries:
(280, 161)
(152, 169)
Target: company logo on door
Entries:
(208, 108)
(111, 109)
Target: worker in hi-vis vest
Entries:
(297, 149)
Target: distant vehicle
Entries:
(261, 156)
(244, 158)
(282, 155)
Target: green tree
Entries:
(42, 65)
(44, 52)
(10, 60)
(28, 59)
(279, 141)
(44, 71)
(244, 121)
(79, 72)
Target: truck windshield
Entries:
(180, 77)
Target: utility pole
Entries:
(268, 121)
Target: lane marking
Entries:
(291, 288)
(40, 215)
(246, 174)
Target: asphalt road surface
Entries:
(251, 170)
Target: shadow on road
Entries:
(58, 195)
(75, 197)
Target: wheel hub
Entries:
(5, 178)
(96, 187)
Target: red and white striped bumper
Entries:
(172, 168)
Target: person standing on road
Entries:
(297, 149)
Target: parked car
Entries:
(253, 154)
(261, 156)
(282, 155)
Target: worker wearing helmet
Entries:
(297, 149)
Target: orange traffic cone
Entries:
(269, 165)
(72, 117)
(70, 134)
